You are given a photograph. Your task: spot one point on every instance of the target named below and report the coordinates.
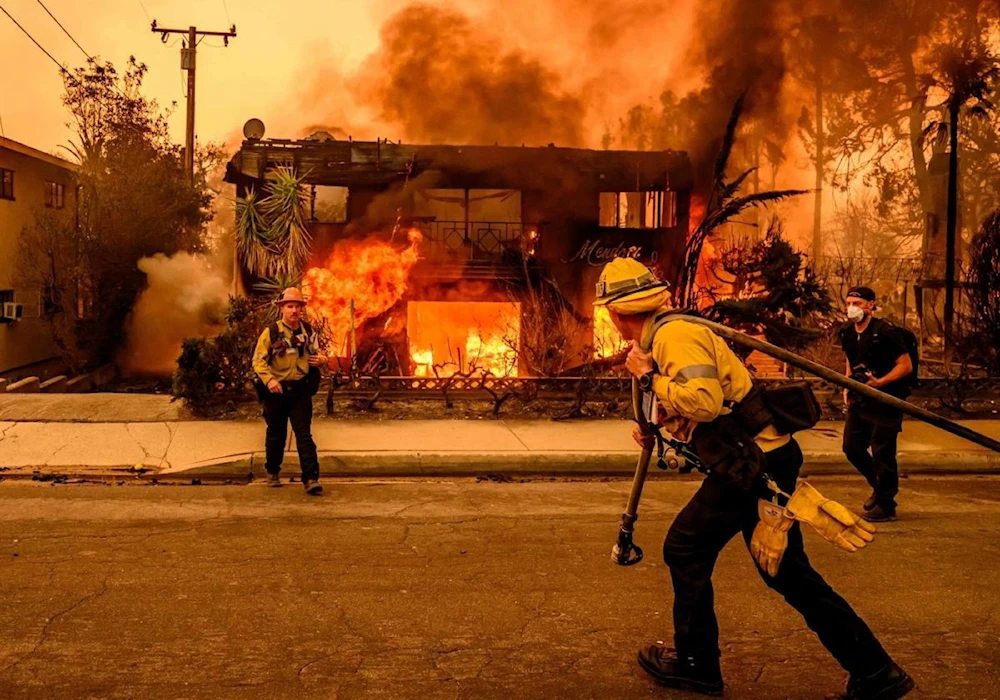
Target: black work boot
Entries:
(881, 514)
(699, 675)
(871, 502)
(891, 683)
(274, 481)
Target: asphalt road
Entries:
(452, 590)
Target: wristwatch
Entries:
(646, 381)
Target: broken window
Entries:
(670, 210)
(329, 204)
(656, 209)
(502, 206)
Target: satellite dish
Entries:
(254, 129)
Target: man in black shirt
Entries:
(877, 356)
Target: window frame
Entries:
(4, 172)
(55, 195)
(651, 202)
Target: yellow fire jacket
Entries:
(697, 373)
(283, 366)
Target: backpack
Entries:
(909, 338)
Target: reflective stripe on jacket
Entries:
(697, 374)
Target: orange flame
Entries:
(492, 355)
(699, 207)
(447, 338)
(608, 342)
(372, 273)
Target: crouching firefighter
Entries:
(742, 438)
(286, 363)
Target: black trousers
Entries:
(716, 513)
(293, 405)
(861, 433)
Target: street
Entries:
(454, 589)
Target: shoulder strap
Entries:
(663, 319)
(273, 333)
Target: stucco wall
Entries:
(28, 340)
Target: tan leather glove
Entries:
(770, 537)
(830, 519)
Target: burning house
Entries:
(458, 259)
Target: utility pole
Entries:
(189, 52)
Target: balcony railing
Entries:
(476, 241)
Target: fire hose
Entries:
(627, 553)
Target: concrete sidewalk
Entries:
(234, 450)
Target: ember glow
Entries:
(448, 338)
(372, 273)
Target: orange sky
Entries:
(288, 64)
(255, 76)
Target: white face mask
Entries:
(855, 313)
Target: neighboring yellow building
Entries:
(30, 182)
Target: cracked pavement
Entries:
(453, 589)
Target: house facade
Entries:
(492, 218)
(31, 182)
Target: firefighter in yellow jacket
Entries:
(705, 395)
(286, 362)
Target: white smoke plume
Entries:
(186, 295)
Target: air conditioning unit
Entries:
(12, 310)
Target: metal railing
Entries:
(477, 241)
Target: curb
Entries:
(245, 467)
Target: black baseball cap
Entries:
(866, 293)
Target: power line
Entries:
(210, 44)
(148, 19)
(28, 34)
(85, 53)
(225, 6)
(188, 54)
(62, 68)
(65, 30)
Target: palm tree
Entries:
(272, 240)
(968, 76)
(253, 248)
(724, 204)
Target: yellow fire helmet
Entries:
(626, 286)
